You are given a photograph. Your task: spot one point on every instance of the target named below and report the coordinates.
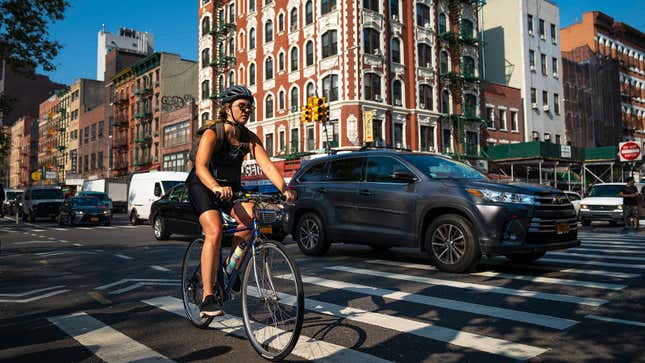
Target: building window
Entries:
(268, 31)
(311, 92)
(281, 143)
(424, 53)
(445, 102)
(252, 74)
(205, 90)
(252, 38)
(556, 103)
(329, 43)
(554, 65)
(93, 132)
(294, 142)
(206, 25)
(532, 59)
(533, 97)
(544, 65)
(472, 143)
(371, 5)
(330, 134)
(330, 88)
(423, 14)
(93, 158)
(310, 143)
(468, 66)
(251, 5)
(371, 41)
(467, 29)
(86, 167)
(268, 144)
(326, 6)
(176, 162)
(309, 13)
(427, 138)
(281, 100)
(309, 58)
(397, 92)
(443, 62)
(177, 134)
(396, 50)
(394, 8)
(425, 97)
(558, 139)
(514, 121)
(545, 100)
(554, 34)
(280, 23)
(542, 30)
(100, 131)
(443, 25)
(398, 134)
(490, 117)
(293, 20)
(445, 141)
(294, 59)
(268, 107)
(206, 58)
(231, 78)
(281, 62)
(294, 99)
(470, 105)
(530, 23)
(372, 87)
(502, 119)
(100, 161)
(377, 131)
(268, 69)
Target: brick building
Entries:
(178, 124)
(414, 68)
(622, 42)
(94, 143)
(21, 161)
(502, 108)
(48, 116)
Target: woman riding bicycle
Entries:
(216, 176)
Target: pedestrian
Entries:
(1, 201)
(630, 196)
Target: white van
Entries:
(145, 188)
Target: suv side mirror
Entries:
(157, 190)
(404, 176)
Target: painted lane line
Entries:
(551, 280)
(123, 257)
(78, 244)
(124, 281)
(21, 294)
(159, 268)
(129, 227)
(308, 348)
(508, 314)
(614, 320)
(51, 238)
(593, 263)
(141, 284)
(33, 242)
(423, 329)
(478, 287)
(85, 228)
(59, 229)
(637, 259)
(34, 298)
(107, 343)
(63, 241)
(38, 230)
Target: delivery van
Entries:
(145, 188)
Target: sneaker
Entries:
(210, 307)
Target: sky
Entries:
(175, 28)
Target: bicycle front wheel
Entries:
(272, 301)
(191, 283)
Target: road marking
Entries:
(552, 280)
(21, 294)
(129, 227)
(123, 257)
(614, 320)
(34, 298)
(598, 256)
(99, 297)
(307, 348)
(85, 228)
(609, 249)
(593, 263)
(78, 244)
(508, 314)
(32, 242)
(59, 229)
(51, 238)
(159, 268)
(609, 242)
(63, 241)
(414, 327)
(144, 283)
(38, 230)
(479, 287)
(125, 281)
(107, 343)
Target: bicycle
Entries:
(270, 283)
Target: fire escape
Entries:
(223, 33)
(120, 136)
(61, 142)
(457, 39)
(143, 133)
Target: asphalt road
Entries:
(89, 294)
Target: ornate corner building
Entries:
(411, 72)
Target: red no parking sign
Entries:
(629, 151)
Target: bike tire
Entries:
(274, 347)
(191, 284)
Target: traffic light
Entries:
(317, 108)
(323, 111)
(305, 115)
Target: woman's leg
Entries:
(243, 214)
(211, 222)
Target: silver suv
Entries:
(41, 201)
(448, 209)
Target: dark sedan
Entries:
(84, 210)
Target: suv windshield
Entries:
(606, 191)
(46, 194)
(85, 201)
(440, 168)
(12, 195)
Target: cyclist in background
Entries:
(216, 176)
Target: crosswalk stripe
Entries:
(480, 287)
(613, 242)
(610, 250)
(609, 257)
(612, 245)
(33, 242)
(508, 314)
(308, 348)
(423, 329)
(107, 343)
(614, 320)
(593, 263)
(552, 280)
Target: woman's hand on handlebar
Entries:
(223, 192)
(290, 195)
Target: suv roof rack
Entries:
(365, 148)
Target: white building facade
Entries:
(128, 39)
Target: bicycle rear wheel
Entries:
(191, 283)
(272, 301)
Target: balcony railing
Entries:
(143, 115)
(223, 29)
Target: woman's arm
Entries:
(272, 173)
(202, 159)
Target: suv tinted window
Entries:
(380, 169)
(315, 174)
(441, 168)
(346, 169)
(175, 194)
(47, 194)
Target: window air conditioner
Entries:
(422, 105)
(428, 65)
(395, 17)
(378, 98)
(426, 25)
(532, 67)
(377, 52)
(397, 102)
(546, 108)
(534, 105)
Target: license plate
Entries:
(266, 229)
(94, 219)
(562, 228)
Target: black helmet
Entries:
(236, 92)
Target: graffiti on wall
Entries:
(174, 103)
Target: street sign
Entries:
(368, 131)
(50, 175)
(629, 151)
(565, 151)
(36, 175)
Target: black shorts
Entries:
(203, 199)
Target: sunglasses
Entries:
(246, 107)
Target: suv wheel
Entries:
(525, 257)
(310, 235)
(134, 218)
(159, 228)
(451, 244)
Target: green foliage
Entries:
(5, 145)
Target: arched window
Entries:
(268, 31)
(231, 78)
(293, 20)
(424, 54)
(268, 69)
(310, 90)
(281, 100)
(467, 29)
(309, 53)
(206, 57)
(443, 25)
(425, 96)
(281, 22)
(252, 38)
(309, 13)
(372, 87)
(220, 84)
(205, 90)
(268, 107)
(281, 62)
(445, 102)
(443, 62)
(329, 43)
(396, 50)
(468, 66)
(294, 99)
(294, 59)
(423, 14)
(206, 25)
(252, 74)
(231, 46)
(470, 105)
(327, 6)
(397, 93)
(251, 5)
(330, 87)
(371, 40)
(394, 8)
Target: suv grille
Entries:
(602, 207)
(552, 210)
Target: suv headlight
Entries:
(79, 212)
(502, 197)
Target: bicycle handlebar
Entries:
(259, 197)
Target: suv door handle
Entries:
(365, 192)
(321, 190)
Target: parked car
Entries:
(173, 214)
(387, 198)
(604, 203)
(574, 198)
(10, 197)
(103, 197)
(145, 188)
(84, 210)
(116, 191)
(41, 201)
